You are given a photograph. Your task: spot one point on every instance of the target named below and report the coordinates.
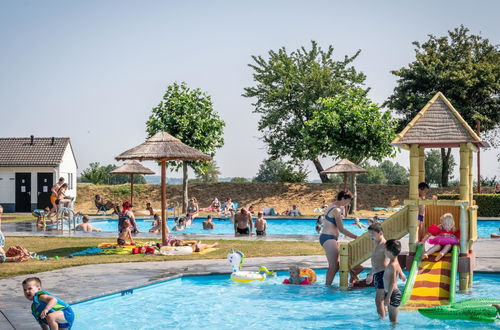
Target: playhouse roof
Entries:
(438, 125)
(44, 151)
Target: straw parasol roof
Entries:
(438, 125)
(163, 146)
(132, 167)
(345, 166)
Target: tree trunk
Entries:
(319, 168)
(184, 186)
(445, 167)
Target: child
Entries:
(260, 225)
(373, 220)
(156, 228)
(86, 227)
(149, 208)
(392, 292)
(445, 235)
(295, 278)
(48, 310)
(181, 224)
(208, 224)
(423, 188)
(359, 224)
(40, 216)
(125, 233)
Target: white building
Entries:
(29, 167)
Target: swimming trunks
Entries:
(332, 220)
(38, 306)
(2, 258)
(53, 199)
(243, 231)
(260, 232)
(120, 241)
(378, 280)
(325, 237)
(395, 300)
(420, 217)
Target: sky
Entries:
(93, 70)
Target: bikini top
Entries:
(330, 219)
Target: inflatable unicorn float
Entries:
(236, 259)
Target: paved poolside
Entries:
(84, 282)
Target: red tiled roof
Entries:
(20, 151)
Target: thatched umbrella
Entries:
(132, 167)
(347, 167)
(163, 147)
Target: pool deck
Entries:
(85, 282)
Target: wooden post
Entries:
(344, 265)
(345, 189)
(464, 172)
(132, 189)
(471, 175)
(421, 164)
(464, 195)
(164, 229)
(184, 187)
(478, 131)
(413, 195)
(355, 193)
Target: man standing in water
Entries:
(53, 196)
(243, 223)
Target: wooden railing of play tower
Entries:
(357, 251)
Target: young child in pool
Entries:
(445, 236)
(125, 234)
(260, 225)
(392, 297)
(40, 215)
(149, 208)
(359, 224)
(295, 278)
(48, 310)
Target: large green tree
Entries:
(288, 86)
(433, 166)
(101, 174)
(395, 173)
(349, 125)
(465, 68)
(189, 115)
(210, 173)
(275, 170)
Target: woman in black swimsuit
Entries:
(332, 225)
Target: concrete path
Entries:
(84, 282)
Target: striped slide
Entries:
(431, 283)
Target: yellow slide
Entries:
(434, 283)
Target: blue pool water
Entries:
(274, 226)
(215, 302)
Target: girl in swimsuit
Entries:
(192, 209)
(332, 225)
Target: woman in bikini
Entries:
(197, 246)
(328, 238)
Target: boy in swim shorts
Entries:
(379, 262)
(392, 293)
(260, 225)
(48, 310)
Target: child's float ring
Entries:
(309, 273)
(236, 260)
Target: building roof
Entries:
(344, 166)
(437, 125)
(43, 151)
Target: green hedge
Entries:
(488, 204)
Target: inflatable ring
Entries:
(245, 277)
(175, 250)
(309, 273)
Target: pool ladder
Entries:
(67, 215)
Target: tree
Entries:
(287, 90)
(465, 68)
(275, 170)
(98, 174)
(375, 175)
(188, 114)
(433, 165)
(210, 173)
(349, 125)
(239, 179)
(395, 173)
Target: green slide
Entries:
(410, 281)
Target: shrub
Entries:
(488, 204)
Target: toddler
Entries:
(445, 235)
(295, 277)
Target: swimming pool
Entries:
(274, 226)
(216, 302)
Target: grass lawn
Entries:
(17, 217)
(62, 246)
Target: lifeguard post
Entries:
(437, 125)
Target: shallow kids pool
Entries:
(274, 226)
(215, 302)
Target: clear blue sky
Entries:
(92, 70)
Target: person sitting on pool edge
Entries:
(86, 227)
(260, 224)
(294, 212)
(208, 224)
(243, 225)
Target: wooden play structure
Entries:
(437, 125)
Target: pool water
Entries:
(274, 226)
(216, 302)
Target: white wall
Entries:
(67, 167)
(8, 183)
